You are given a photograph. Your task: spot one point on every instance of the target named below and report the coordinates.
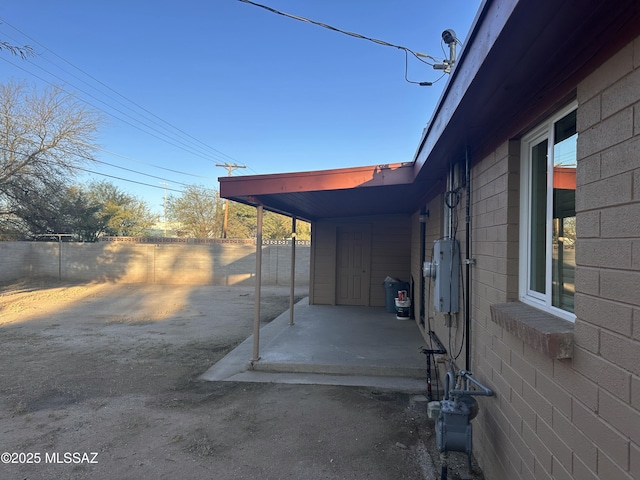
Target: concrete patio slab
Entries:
(331, 345)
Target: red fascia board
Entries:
(319, 180)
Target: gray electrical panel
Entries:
(446, 260)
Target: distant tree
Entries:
(303, 230)
(85, 212)
(275, 227)
(61, 210)
(82, 215)
(242, 221)
(279, 227)
(44, 137)
(243, 224)
(196, 211)
(200, 212)
(120, 213)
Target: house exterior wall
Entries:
(559, 418)
(608, 268)
(390, 256)
(416, 266)
(434, 230)
(322, 289)
(507, 443)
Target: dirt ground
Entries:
(100, 381)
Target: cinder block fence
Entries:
(163, 261)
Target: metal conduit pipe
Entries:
(448, 382)
(466, 389)
(468, 263)
(454, 431)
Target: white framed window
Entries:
(548, 215)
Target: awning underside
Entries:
(310, 196)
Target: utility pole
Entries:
(230, 168)
(164, 204)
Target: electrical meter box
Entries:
(446, 260)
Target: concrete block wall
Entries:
(501, 447)
(575, 418)
(503, 439)
(16, 260)
(607, 330)
(516, 433)
(130, 262)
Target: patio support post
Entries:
(293, 269)
(258, 285)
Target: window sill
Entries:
(546, 333)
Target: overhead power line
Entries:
(445, 65)
(185, 140)
(93, 147)
(144, 163)
(418, 55)
(115, 176)
(126, 179)
(160, 135)
(139, 173)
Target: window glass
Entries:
(564, 213)
(548, 228)
(537, 242)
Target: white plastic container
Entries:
(403, 308)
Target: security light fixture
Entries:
(448, 37)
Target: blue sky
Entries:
(187, 85)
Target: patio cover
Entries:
(346, 192)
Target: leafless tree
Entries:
(44, 137)
(22, 52)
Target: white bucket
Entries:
(403, 309)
